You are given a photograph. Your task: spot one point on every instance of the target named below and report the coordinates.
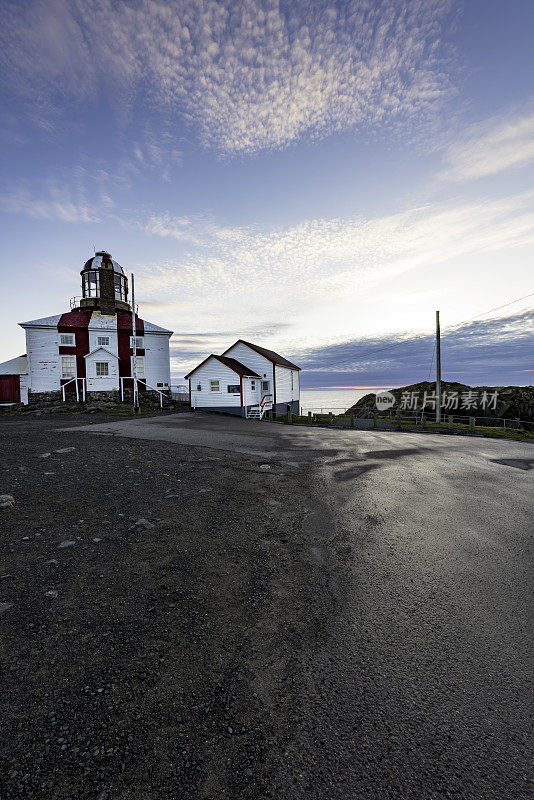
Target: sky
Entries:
(316, 177)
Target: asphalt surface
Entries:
(368, 603)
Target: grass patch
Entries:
(517, 434)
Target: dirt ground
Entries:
(155, 660)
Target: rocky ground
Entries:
(146, 627)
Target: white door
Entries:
(253, 396)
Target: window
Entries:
(265, 386)
(139, 366)
(102, 369)
(103, 341)
(234, 389)
(291, 380)
(138, 341)
(214, 386)
(66, 339)
(121, 289)
(91, 284)
(253, 385)
(68, 367)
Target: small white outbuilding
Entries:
(247, 380)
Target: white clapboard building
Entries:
(89, 348)
(247, 380)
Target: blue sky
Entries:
(317, 177)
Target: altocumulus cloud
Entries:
(249, 74)
(304, 273)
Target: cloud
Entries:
(331, 256)
(249, 75)
(318, 277)
(57, 206)
(490, 147)
(77, 195)
(482, 352)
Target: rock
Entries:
(4, 607)
(51, 593)
(6, 500)
(45, 455)
(65, 450)
(52, 561)
(142, 524)
(96, 539)
(265, 466)
(102, 796)
(66, 543)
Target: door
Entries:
(253, 391)
(9, 389)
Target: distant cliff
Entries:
(513, 402)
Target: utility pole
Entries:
(134, 352)
(438, 370)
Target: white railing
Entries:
(143, 383)
(257, 412)
(75, 381)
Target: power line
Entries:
(425, 335)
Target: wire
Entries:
(491, 310)
(424, 335)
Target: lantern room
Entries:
(104, 285)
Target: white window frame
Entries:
(139, 342)
(140, 366)
(102, 341)
(68, 377)
(214, 388)
(253, 384)
(102, 364)
(70, 340)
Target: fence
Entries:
(322, 416)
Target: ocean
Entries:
(325, 400)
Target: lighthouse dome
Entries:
(102, 260)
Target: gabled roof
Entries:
(237, 366)
(44, 322)
(270, 355)
(15, 366)
(101, 347)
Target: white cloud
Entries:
(77, 195)
(314, 275)
(249, 74)
(57, 206)
(491, 147)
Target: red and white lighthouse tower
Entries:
(90, 348)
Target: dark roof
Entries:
(237, 366)
(269, 354)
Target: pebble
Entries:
(65, 450)
(4, 607)
(51, 593)
(265, 466)
(45, 455)
(52, 561)
(6, 500)
(142, 523)
(97, 540)
(67, 543)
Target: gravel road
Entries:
(196, 607)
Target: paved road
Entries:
(418, 680)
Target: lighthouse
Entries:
(89, 350)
